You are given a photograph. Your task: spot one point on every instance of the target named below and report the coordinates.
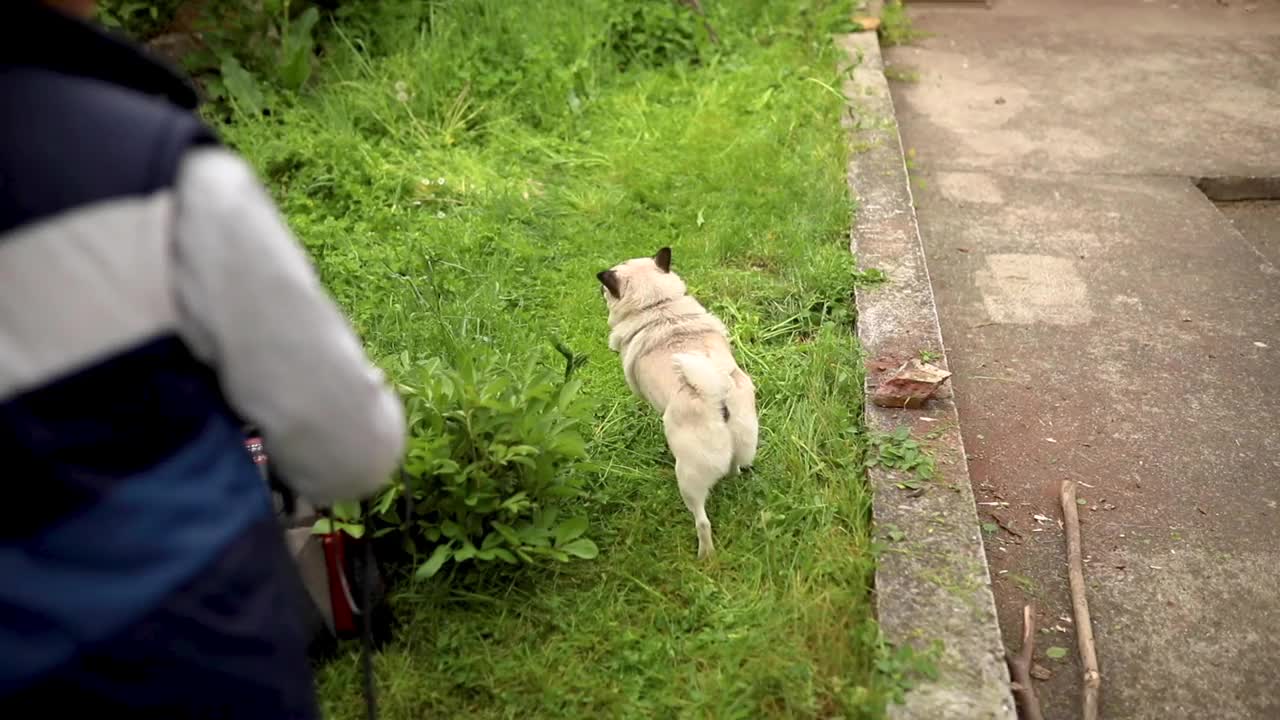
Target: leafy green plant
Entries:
(907, 666)
(141, 20)
(297, 47)
(899, 451)
(491, 462)
(250, 52)
(239, 87)
(869, 276)
(895, 26)
(902, 75)
(344, 517)
(654, 33)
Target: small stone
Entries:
(1000, 101)
(1040, 672)
(911, 386)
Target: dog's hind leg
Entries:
(744, 427)
(702, 446)
(694, 487)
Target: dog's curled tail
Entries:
(702, 375)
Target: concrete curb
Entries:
(932, 584)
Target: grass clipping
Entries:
(459, 176)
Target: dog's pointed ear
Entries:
(663, 259)
(609, 279)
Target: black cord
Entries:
(366, 616)
(276, 484)
(366, 590)
(406, 481)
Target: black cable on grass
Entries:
(366, 621)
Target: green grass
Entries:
(895, 25)
(557, 161)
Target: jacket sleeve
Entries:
(252, 307)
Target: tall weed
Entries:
(493, 466)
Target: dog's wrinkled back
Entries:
(676, 355)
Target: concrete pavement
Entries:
(1106, 322)
(1259, 222)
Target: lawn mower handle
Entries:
(257, 451)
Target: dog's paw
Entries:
(706, 548)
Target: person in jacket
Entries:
(152, 302)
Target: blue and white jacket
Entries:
(151, 300)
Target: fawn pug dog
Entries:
(676, 355)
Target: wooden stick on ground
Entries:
(1080, 604)
(1020, 668)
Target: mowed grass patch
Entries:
(459, 172)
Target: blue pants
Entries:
(229, 644)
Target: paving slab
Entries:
(1035, 83)
(1259, 222)
(1107, 323)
